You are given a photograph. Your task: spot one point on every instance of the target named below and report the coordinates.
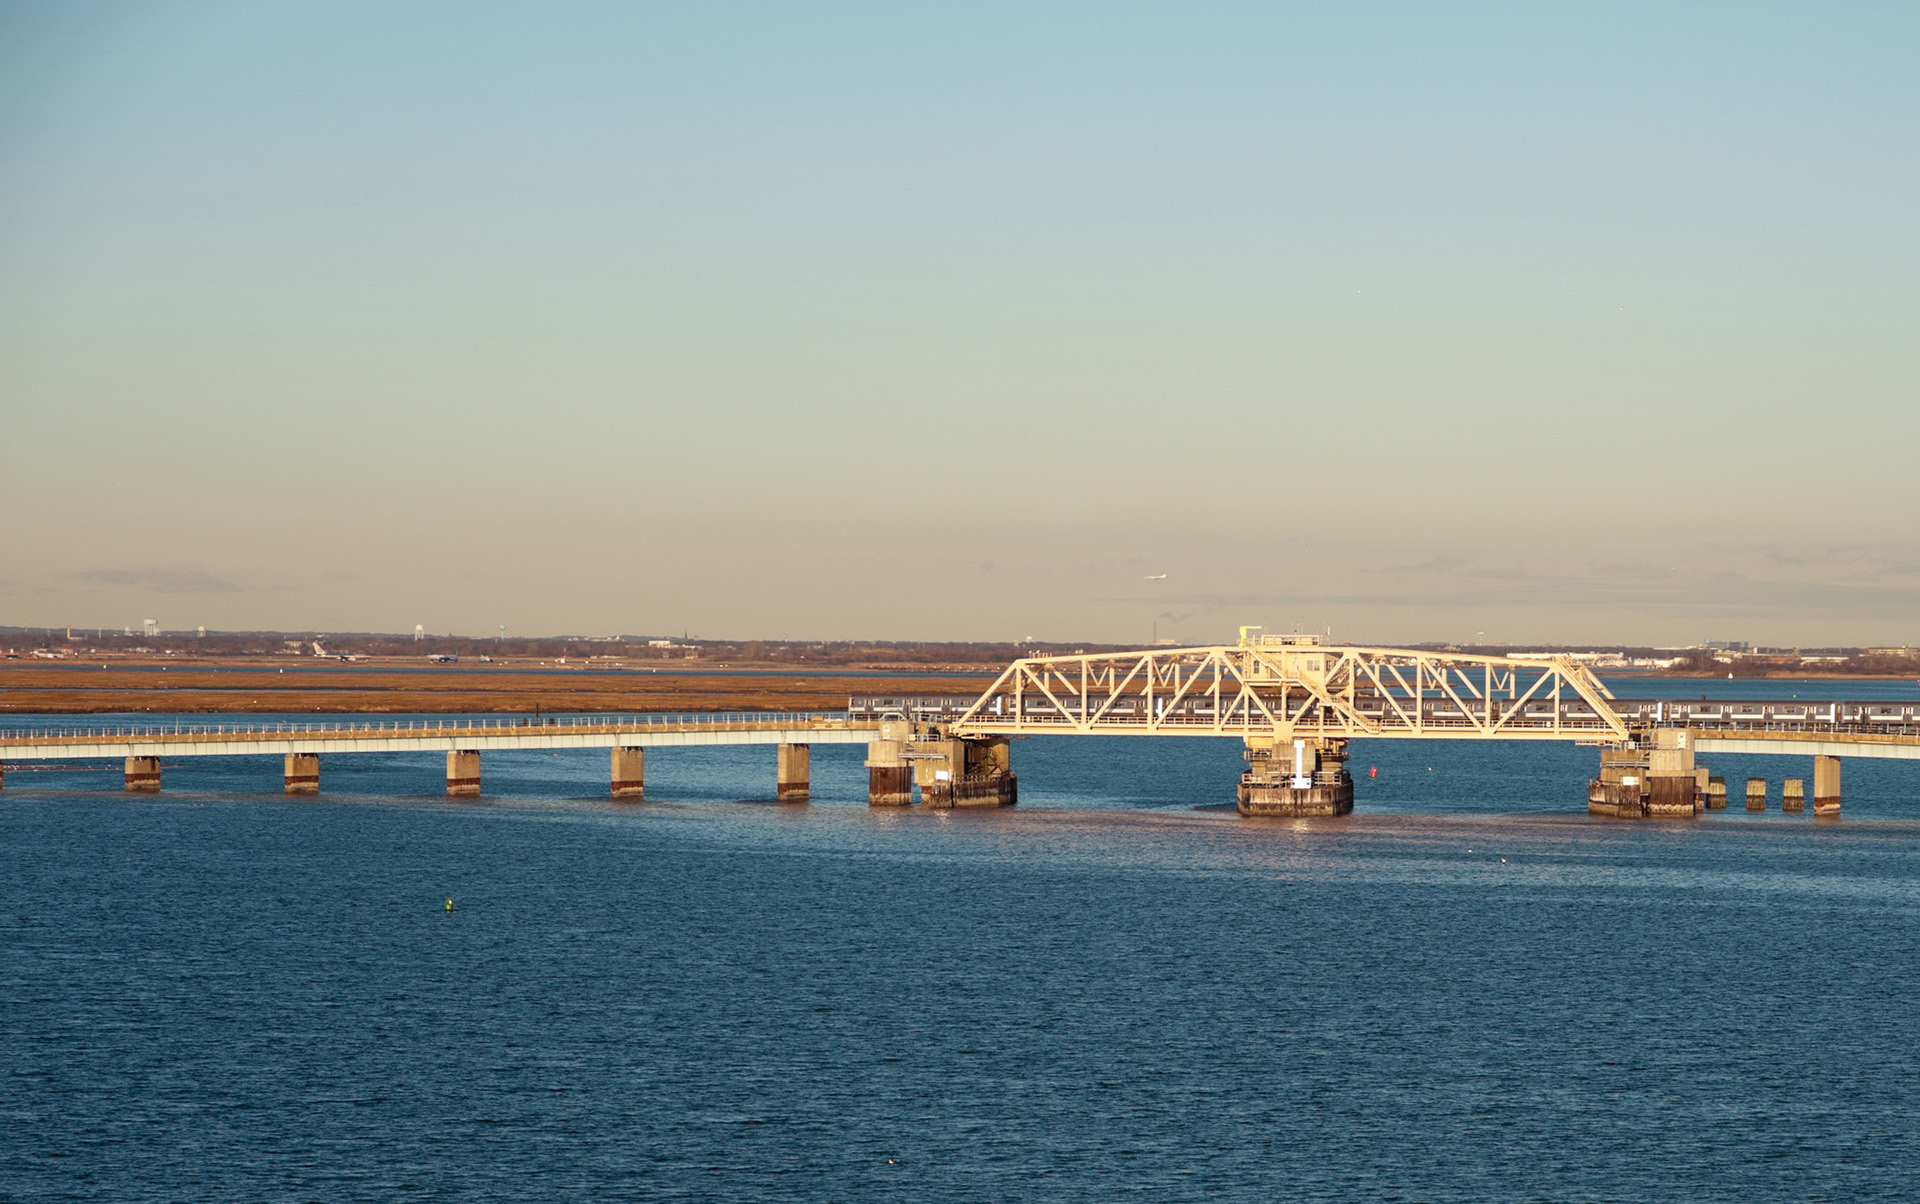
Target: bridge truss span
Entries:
(1277, 688)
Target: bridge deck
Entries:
(433, 735)
(1842, 729)
(1708, 742)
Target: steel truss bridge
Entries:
(1268, 691)
(1294, 686)
(1275, 689)
(1265, 688)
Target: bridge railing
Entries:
(203, 730)
(1205, 723)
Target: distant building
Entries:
(151, 627)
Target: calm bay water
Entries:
(1465, 990)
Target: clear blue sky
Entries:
(834, 321)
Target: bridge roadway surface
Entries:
(188, 739)
(1709, 742)
(1896, 738)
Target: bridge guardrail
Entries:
(428, 728)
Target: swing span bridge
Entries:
(1279, 688)
(1294, 686)
(1271, 692)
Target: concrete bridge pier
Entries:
(792, 773)
(1756, 794)
(1303, 777)
(965, 773)
(143, 775)
(1793, 795)
(1672, 781)
(1655, 779)
(889, 775)
(463, 774)
(1716, 794)
(1826, 786)
(629, 772)
(303, 773)
(1620, 790)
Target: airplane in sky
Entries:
(1156, 576)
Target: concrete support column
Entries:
(1295, 778)
(303, 773)
(1671, 785)
(965, 773)
(1826, 785)
(1621, 788)
(3, 775)
(143, 775)
(989, 780)
(463, 774)
(1756, 794)
(938, 765)
(1793, 794)
(889, 775)
(1716, 794)
(793, 773)
(629, 773)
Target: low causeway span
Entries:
(1294, 703)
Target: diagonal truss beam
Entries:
(1293, 687)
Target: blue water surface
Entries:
(1466, 990)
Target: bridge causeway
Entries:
(1295, 704)
(462, 740)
